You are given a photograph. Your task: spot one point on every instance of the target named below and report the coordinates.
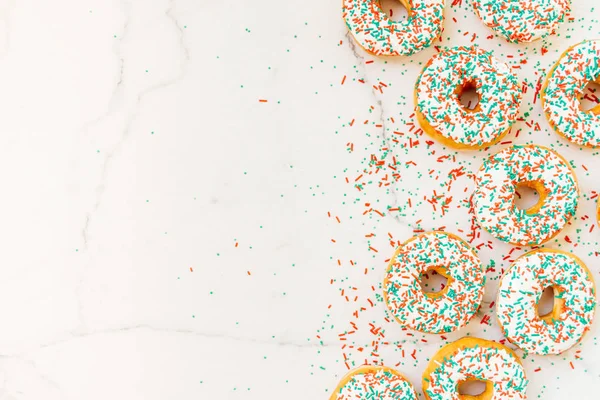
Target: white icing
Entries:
(377, 33)
(483, 363)
(495, 190)
(382, 384)
(411, 306)
(497, 86)
(520, 290)
(522, 20)
(565, 85)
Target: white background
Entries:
(136, 154)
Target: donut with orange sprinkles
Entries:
(521, 21)
(521, 288)
(473, 359)
(379, 35)
(374, 382)
(443, 80)
(534, 166)
(563, 88)
(443, 311)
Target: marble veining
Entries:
(201, 199)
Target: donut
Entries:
(520, 21)
(379, 35)
(565, 85)
(444, 311)
(374, 382)
(470, 359)
(534, 166)
(520, 290)
(440, 85)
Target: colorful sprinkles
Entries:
(522, 20)
(521, 288)
(401, 181)
(438, 105)
(563, 89)
(471, 358)
(442, 312)
(374, 383)
(378, 34)
(534, 166)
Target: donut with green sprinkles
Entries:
(521, 288)
(374, 383)
(440, 85)
(443, 311)
(473, 359)
(534, 166)
(379, 35)
(563, 88)
(521, 21)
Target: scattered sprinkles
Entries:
(391, 181)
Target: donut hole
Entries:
(396, 10)
(589, 100)
(468, 96)
(529, 196)
(475, 389)
(434, 281)
(549, 306)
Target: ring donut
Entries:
(539, 168)
(379, 35)
(443, 80)
(520, 21)
(444, 311)
(565, 85)
(519, 292)
(472, 359)
(374, 382)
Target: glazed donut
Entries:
(373, 382)
(470, 359)
(444, 311)
(521, 21)
(440, 85)
(564, 86)
(539, 168)
(379, 35)
(520, 290)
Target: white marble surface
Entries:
(166, 235)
